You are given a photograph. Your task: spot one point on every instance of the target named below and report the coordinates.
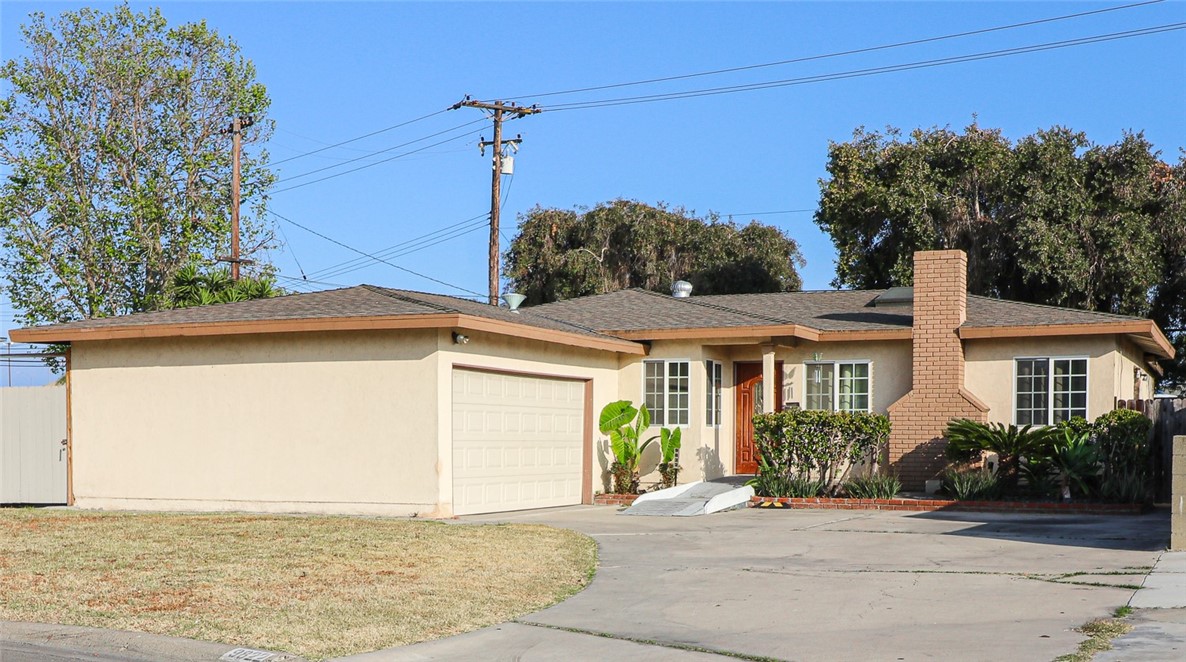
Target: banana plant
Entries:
(669, 441)
(625, 425)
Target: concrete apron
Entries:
(827, 585)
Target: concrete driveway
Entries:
(826, 585)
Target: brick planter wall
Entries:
(614, 499)
(930, 505)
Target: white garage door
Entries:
(517, 441)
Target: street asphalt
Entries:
(796, 585)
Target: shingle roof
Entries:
(986, 312)
(600, 316)
(825, 310)
(352, 302)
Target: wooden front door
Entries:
(749, 402)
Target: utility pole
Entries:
(499, 112)
(236, 131)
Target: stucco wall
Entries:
(989, 372)
(342, 422)
(498, 352)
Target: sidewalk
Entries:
(1158, 618)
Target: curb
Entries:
(87, 642)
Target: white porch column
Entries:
(770, 389)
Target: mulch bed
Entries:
(930, 505)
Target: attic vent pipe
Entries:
(681, 289)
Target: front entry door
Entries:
(749, 402)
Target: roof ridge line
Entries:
(395, 294)
(713, 306)
(1046, 305)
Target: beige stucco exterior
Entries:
(360, 421)
(352, 422)
(990, 370)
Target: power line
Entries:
(366, 135)
(858, 73)
(363, 167)
(376, 153)
(408, 251)
(365, 254)
(386, 252)
(857, 51)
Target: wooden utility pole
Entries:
(499, 112)
(236, 131)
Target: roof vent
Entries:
(681, 289)
(514, 300)
(895, 296)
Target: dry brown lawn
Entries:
(315, 586)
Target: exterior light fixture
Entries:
(460, 339)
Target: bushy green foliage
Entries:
(1050, 218)
(770, 483)
(625, 425)
(560, 254)
(873, 487)
(802, 443)
(1108, 457)
(967, 439)
(191, 287)
(976, 485)
(116, 174)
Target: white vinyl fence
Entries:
(33, 445)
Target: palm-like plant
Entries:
(967, 439)
(625, 425)
(1076, 459)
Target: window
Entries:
(712, 401)
(666, 391)
(838, 386)
(1050, 390)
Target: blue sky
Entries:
(339, 70)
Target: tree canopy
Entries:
(117, 171)
(1052, 219)
(560, 254)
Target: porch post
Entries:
(770, 390)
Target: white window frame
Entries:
(836, 381)
(662, 417)
(1050, 385)
(714, 382)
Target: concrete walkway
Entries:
(826, 585)
(1158, 618)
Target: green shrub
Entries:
(976, 485)
(801, 443)
(1131, 486)
(1123, 438)
(967, 439)
(1076, 459)
(873, 487)
(796, 487)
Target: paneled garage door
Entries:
(517, 441)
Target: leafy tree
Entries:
(118, 174)
(560, 254)
(1051, 219)
(192, 287)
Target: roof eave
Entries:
(1143, 332)
(762, 331)
(58, 334)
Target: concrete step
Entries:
(698, 498)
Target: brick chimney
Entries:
(916, 447)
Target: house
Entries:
(373, 400)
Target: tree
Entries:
(118, 173)
(1053, 219)
(192, 287)
(561, 254)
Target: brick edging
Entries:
(929, 505)
(614, 499)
